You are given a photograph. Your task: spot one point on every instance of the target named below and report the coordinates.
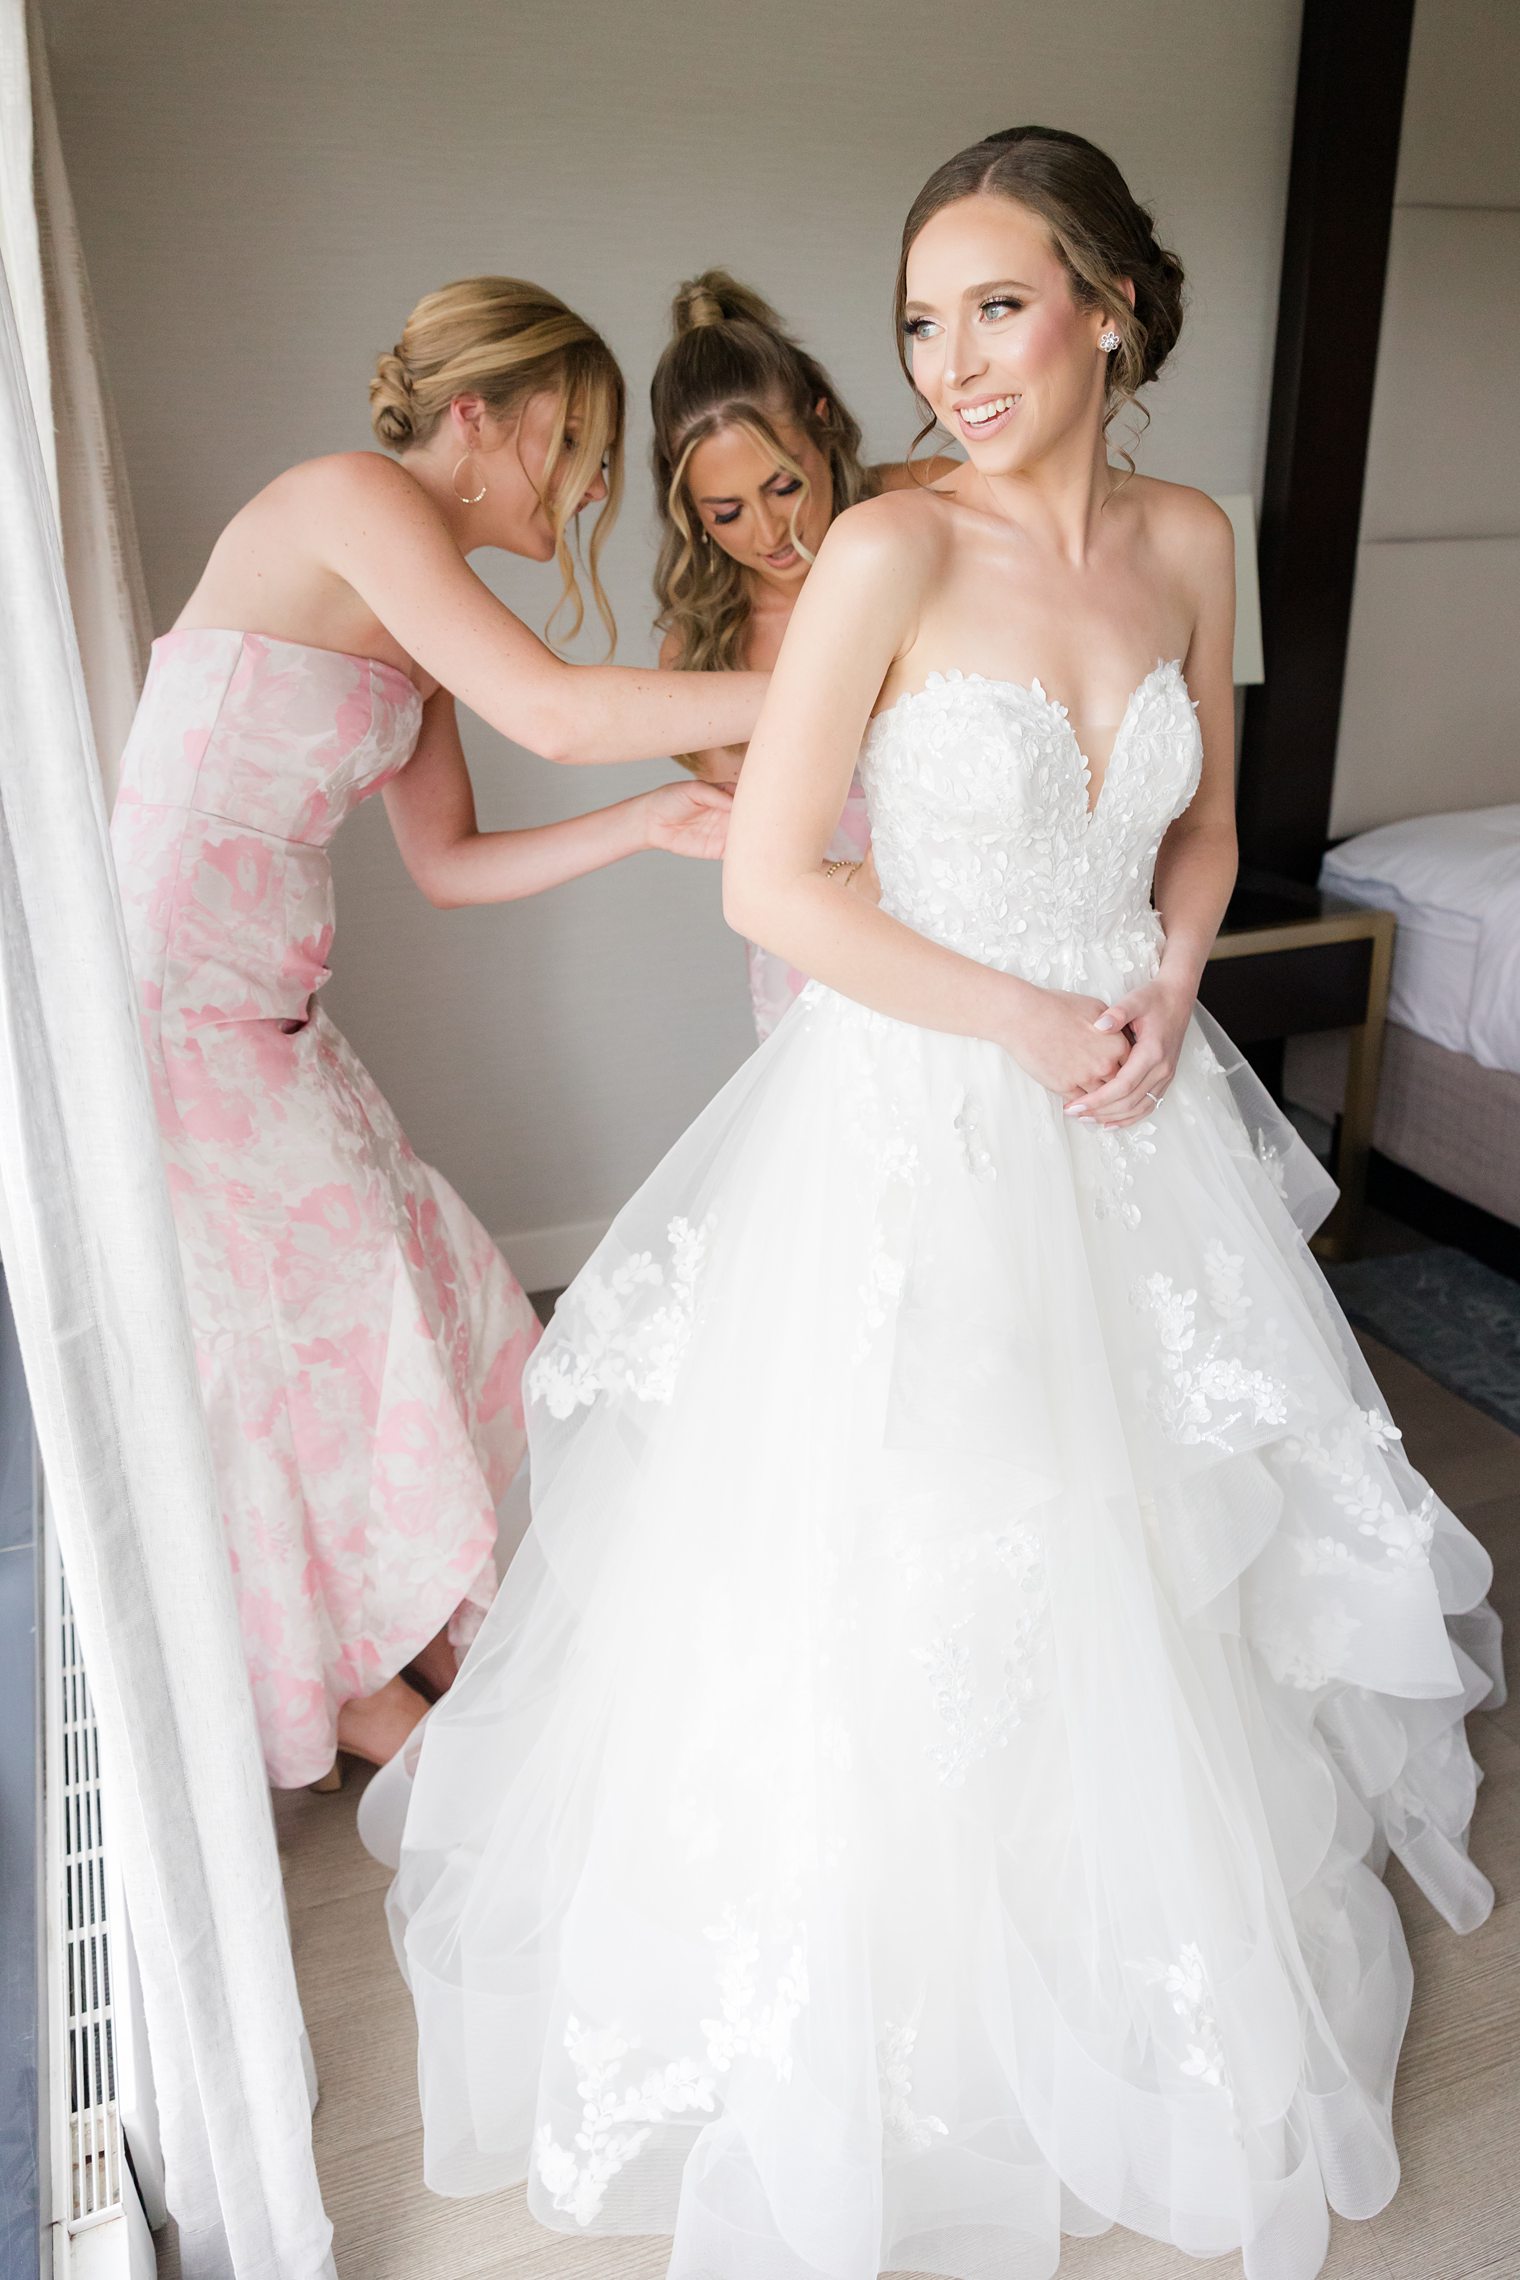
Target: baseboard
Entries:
(1444, 1217)
(546, 1258)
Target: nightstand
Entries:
(1290, 960)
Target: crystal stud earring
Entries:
(1108, 340)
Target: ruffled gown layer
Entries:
(923, 1785)
(360, 1339)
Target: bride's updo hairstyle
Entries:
(1101, 232)
(730, 363)
(506, 341)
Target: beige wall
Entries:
(1433, 669)
(265, 187)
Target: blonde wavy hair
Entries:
(505, 341)
(731, 364)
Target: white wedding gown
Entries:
(923, 1784)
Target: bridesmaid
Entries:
(754, 455)
(361, 1341)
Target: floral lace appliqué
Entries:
(1185, 1983)
(1307, 1656)
(1204, 1391)
(903, 2130)
(1273, 1163)
(625, 1344)
(1346, 1458)
(1224, 1279)
(973, 1726)
(1119, 1151)
(616, 2118)
(974, 1152)
(746, 2026)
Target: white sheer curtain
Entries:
(93, 1271)
(100, 556)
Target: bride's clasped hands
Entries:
(1153, 1022)
(1057, 1037)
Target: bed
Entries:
(1448, 1113)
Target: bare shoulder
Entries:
(363, 483)
(1185, 523)
(898, 530)
(670, 652)
(337, 501)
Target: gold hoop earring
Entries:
(475, 499)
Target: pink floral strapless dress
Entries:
(361, 1340)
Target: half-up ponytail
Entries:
(731, 363)
(716, 298)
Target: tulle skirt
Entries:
(923, 1784)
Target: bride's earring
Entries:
(474, 498)
(1108, 340)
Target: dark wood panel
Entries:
(1444, 1217)
(1289, 993)
(1262, 899)
(1353, 59)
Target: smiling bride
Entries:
(923, 1786)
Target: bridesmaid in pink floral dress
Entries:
(361, 1341)
(754, 455)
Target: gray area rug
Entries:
(1451, 1316)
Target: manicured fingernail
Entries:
(1105, 1021)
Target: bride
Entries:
(923, 1786)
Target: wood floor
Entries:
(1456, 2217)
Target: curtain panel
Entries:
(92, 1266)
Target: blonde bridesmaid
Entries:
(361, 1341)
(755, 453)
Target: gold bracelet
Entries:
(841, 863)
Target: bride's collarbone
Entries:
(1088, 667)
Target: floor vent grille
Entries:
(90, 2165)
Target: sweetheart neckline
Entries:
(1035, 688)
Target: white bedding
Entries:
(1453, 883)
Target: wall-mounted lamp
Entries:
(1241, 509)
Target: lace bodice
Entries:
(978, 798)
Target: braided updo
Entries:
(1099, 229)
(393, 402)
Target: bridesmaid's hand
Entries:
(1156, 1016)
(688, 819)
